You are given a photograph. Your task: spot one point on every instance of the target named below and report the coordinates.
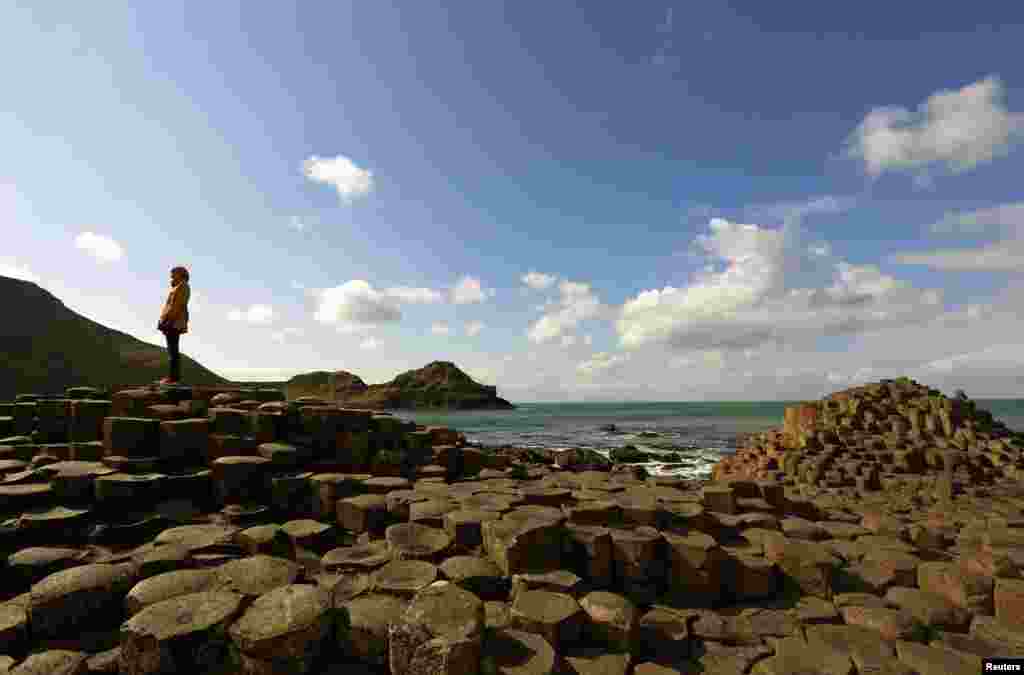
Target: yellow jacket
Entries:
(176, 307)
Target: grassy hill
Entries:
(46, 348)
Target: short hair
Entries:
(180, 270)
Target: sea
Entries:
(687, 438)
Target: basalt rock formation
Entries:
(223, 531)
(47, 347)
(438, 385)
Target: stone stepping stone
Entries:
(167, 585)
(523, 545)
(256, 575)
(283, 455)
(198, 538)
(556, 617)
(412, 541)
(364, 558)
(35, 563)
(364, 632)
(868, 652)
(310, 534)
(477, 575)
(663, 633)
(73, 480)
(285, 626)
(431, 512)
(163, 636)
(292, 493)
(404, 577)
(245, 514)
(515, 652)
(596, 662)
(590, 552)
(55, 523)
(13, 627)
(344, 587)
(442, 622)
(131, 436)
(330, 488)
(135, 489)
(546, 496)
(364, 513)
(128, 528)
(465, 526)
(399, 501)
(195, 484)
(431, 471)
(267, 540)
(612, 619)
(636, 552)
(133, 465)
(25, 496)
(70, 600)
(554, 581)
(242, 478)
(25, 477)
(53, 662)
(489, 502)
(9, 466)
(755, 577)
(381, 485)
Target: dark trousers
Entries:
(174, 352)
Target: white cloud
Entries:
(355, 306)
(298, 286)
(955, 130)
(473, 328)
(411, 296)
(769, 290)
(538, 281)
(601, 362)
(1004, 257)
(576, 303)
(102, 248)
(568, 340)
(470, 290)
(1006, 254)
(15, 270)
(588, 340)
(369, 343)
(285, 334)
(794, 212)
(296, 224)
(342, 174)
(440, 328)
(257, 314)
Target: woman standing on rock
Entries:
(174, 321)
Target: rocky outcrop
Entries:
(438, 385)
(380, 546)
(48, 347)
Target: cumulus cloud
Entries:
(15, 270)
(440, 328)
(285, 334)
(794, 212)
(470, 290)
(538, 281)
(256, 314)
(1004, 223)
(473, 328)
(576, 303)
(102, 248)
(369, 343)
(296, 224)
(341, 173)
(601, 363)
(355, 306)
(413, 296)
(953, 130)
(763, 286)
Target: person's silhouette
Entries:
(174, 321)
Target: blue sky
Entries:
(718, 200)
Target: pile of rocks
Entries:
(249, 536)
(866, 436)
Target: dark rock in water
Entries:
(611, 428)
(648, 434)
(629, 454)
